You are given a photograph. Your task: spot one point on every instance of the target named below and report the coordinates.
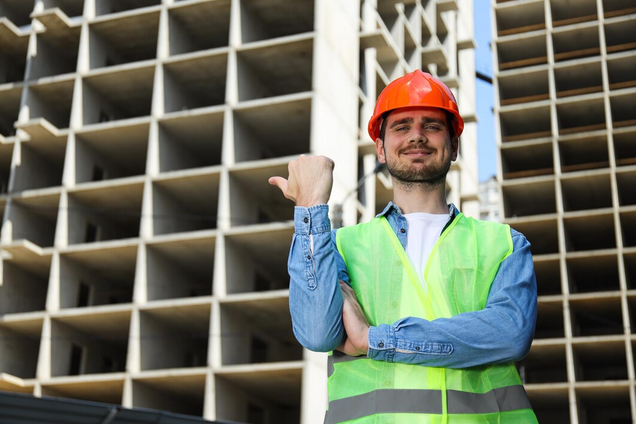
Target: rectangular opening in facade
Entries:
(180, 268)
(104, 7)
(195, 83)
(123, 40)
(593, 273)
(629, 260)
(589, 232)
(274, 130)
(581, 115)
(258, 331)
(13, 56)
(530, 198)
(582, 151)
(6, 154)
(41, 163)
(626, 182)
(628, 228)
(186, 203)
(190, 141)
(69, 7)
(52, 101)
(118, 95)
(524, 86)
(620, 71)
(107, 213)
(603, 403)
(525, 123)
(20, 347)
(564, 14)
(17, 11)
(259, 396)
(198, 26)
(180, 333)
(576, 43)
(541, 233)
(265, 19)
(596, 316)
(275, 70)
(25, 284)
(545, 363)
(587, 191)
(613, 8)
(181, 394)
(57, 51)
(97, 277)
(619, 35)
(9, 109)
(548, 273)
(527, 160)
(550, 404)
(623, 110)
(34, 218)
(520, 17)
(549, 320)
(99, 153)
(253, 200)
(109, 390)
(524, 51)
(624, 148)
(101, 339)
(578, 78)
(248, 270)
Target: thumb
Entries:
(279, 182)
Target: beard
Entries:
(417, 174)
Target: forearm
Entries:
(315, 299)
(501, 332)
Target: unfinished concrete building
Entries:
(143, 252)
(566, 110)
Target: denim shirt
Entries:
(501, 332)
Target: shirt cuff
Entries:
(312, 220)
(381, 343)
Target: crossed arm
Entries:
(325, 315)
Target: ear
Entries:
(454, 148)
(379, 148)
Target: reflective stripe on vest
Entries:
(457, 279)
(426, 401)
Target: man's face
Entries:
(417, 147)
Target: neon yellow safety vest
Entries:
(458, 276)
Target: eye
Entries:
(432, 127)
(401, 128)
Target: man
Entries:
(424, 308)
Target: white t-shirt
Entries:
(424, 231)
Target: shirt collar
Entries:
(391, 207)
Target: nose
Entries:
(418, 135)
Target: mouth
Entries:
(416, 153)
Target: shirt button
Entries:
(380, 344)
(394, 304)
(308, 257)
(305, 220)
(402, 230)
(417, 348)
(387, 383)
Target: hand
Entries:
(355, 324)
(309, 182)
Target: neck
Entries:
(420, 198)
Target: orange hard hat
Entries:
(415, 89)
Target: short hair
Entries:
(450, 120)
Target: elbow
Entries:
(317, 341)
